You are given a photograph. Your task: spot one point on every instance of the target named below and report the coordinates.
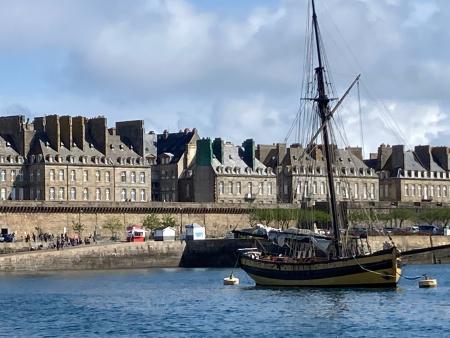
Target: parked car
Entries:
(414, 229)
(7, 238)
(429, 229)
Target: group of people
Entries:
(42, 237)
(64, 241)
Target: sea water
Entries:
(194, 302)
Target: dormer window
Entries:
(121, 147)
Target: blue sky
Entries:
(230, 68)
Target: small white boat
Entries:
(231, 280)
(428, 282)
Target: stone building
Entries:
(225, 173)
(175, 153)
(419, 175)
(64, 158)
(302, 177)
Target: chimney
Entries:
(132, 133)
(79, 131)
(52, 131)
(218, 148)
(423, 155)
(204, 152)
(384, 153)
(398, 157)
(356, 151)
(249, 152)
(65, 131)
(442, 156)
(97, 132)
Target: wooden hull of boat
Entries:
(384, 271)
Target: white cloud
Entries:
(172, 63)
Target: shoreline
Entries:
(209, 253)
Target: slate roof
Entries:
(233, 161)
(174, 143)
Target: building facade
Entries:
(419, 175)
(225, 173)
(301, 175)
(176, 152)
(64, 158)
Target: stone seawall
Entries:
(206, 253)
(95, 257)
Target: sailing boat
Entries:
(332, 265)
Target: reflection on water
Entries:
(194, 302)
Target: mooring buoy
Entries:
(231, 280)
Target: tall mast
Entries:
(322, 103)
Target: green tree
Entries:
(78, 228)
(401, 215)
(113, 224)
(151, 222)
(429, 216)
(168, 221)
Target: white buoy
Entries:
(427, 282)
(231, 280)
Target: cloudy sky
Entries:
(230, 68)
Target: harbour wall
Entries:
(24, 218)
(151, 254)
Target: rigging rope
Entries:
(387, 274)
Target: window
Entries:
(356, 190)
(133, 195)
(98, 194)
(444, 191)
(231, 188)
(13, 193)
(38, 194)
(107, 176)
(438, 191)
(38, 175)
(250, 188)
(221, 188)
(413, 189)
(3, 194)
(31, 176)
(13, 175)
(133, 177)
(61, 193)
(260, 188)
(269, 189)
(406, 190)
(143, 195)
(85, 176)
(238, 188)
(73, 176)
(142, 177)
(20, 193)
(322, 188)
(298, 189)
(338, 188)
(314, 188)
(364, 192)
(419, 190)
(52, 175)
(107, 194)
(61, 175)
(85, 194)
(123, 195)
(52, 194)
(123, 177)
(73, 193)
(31, 193)
(431, 191)
(97, 175)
